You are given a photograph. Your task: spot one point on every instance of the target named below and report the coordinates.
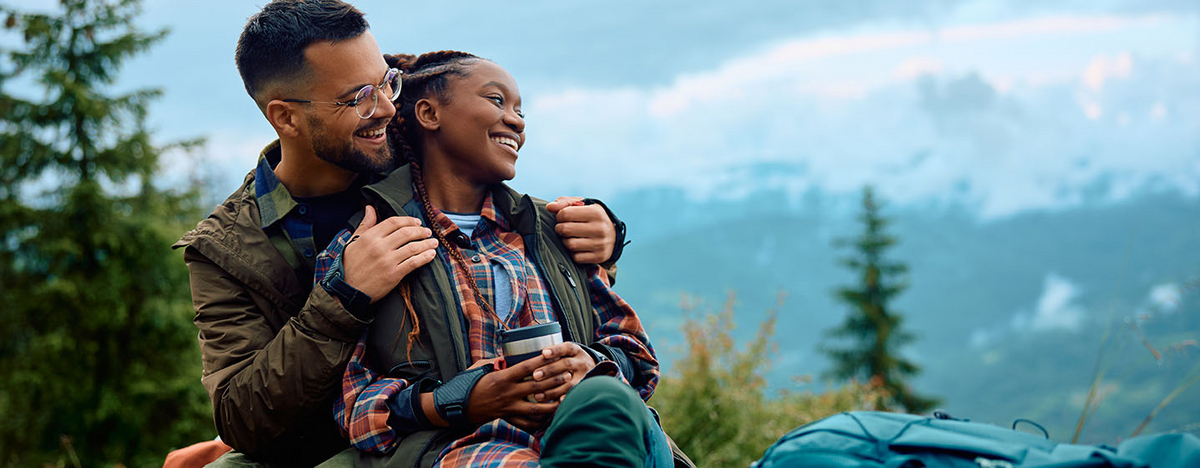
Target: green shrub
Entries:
(714, 401)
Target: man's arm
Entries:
(264, 384)
(590, 231)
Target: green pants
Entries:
(603, 422)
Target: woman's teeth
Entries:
(509, 142)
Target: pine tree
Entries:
(98, 358)
(872, 326)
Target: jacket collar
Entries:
(233, 238)
(396, 190)
(274, 200)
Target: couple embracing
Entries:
(352, 294)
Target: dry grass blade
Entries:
(1145, 342)
(1090, 404)
(1187, 383)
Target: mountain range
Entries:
(1015, 315)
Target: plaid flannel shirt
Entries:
(279, 213)
(371, 401)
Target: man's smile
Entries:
(372, 134)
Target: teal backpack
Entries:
(888, 440)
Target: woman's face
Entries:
(481, 126)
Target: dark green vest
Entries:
(441, 350)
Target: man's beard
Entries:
(346, 155)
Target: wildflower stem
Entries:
(1193, 378)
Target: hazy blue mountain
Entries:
(1011, 312)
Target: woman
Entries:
(426, 382)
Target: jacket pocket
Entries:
(411, 370)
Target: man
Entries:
(275, 347)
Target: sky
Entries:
(999, 107)
(992, 108)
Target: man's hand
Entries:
(380, 255)
(586, 230)
(566, 363)
(502, 394)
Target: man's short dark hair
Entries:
(272, 43)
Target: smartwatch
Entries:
(334, 282)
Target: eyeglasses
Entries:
(366, 100)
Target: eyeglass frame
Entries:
(364, 92)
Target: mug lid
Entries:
(532, 331)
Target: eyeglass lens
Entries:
(368, 100)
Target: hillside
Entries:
(1011, 312)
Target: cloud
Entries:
(1056, 309)
(1103, 68)
(1159, 111)
(1047, 26)
(1164, 297)
(918, 66)
(982, 337)
(1091, 109)
(973, 105)
(1053, 106)
(793, 60)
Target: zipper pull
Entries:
(564, 271)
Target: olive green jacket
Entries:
(273, 349)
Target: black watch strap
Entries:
(620, 243)
(357, 302)
(451, 397)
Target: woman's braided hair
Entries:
(426, 76)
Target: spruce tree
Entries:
(872, 327)
(98, 357)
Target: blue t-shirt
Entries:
(503, 287)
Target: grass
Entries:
(1101, 367)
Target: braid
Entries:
(440, 57)
(424, 76)
(452, 248)
(400, 61)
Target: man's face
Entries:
(337, 134)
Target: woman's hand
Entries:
(565, 365)
(502, 394)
